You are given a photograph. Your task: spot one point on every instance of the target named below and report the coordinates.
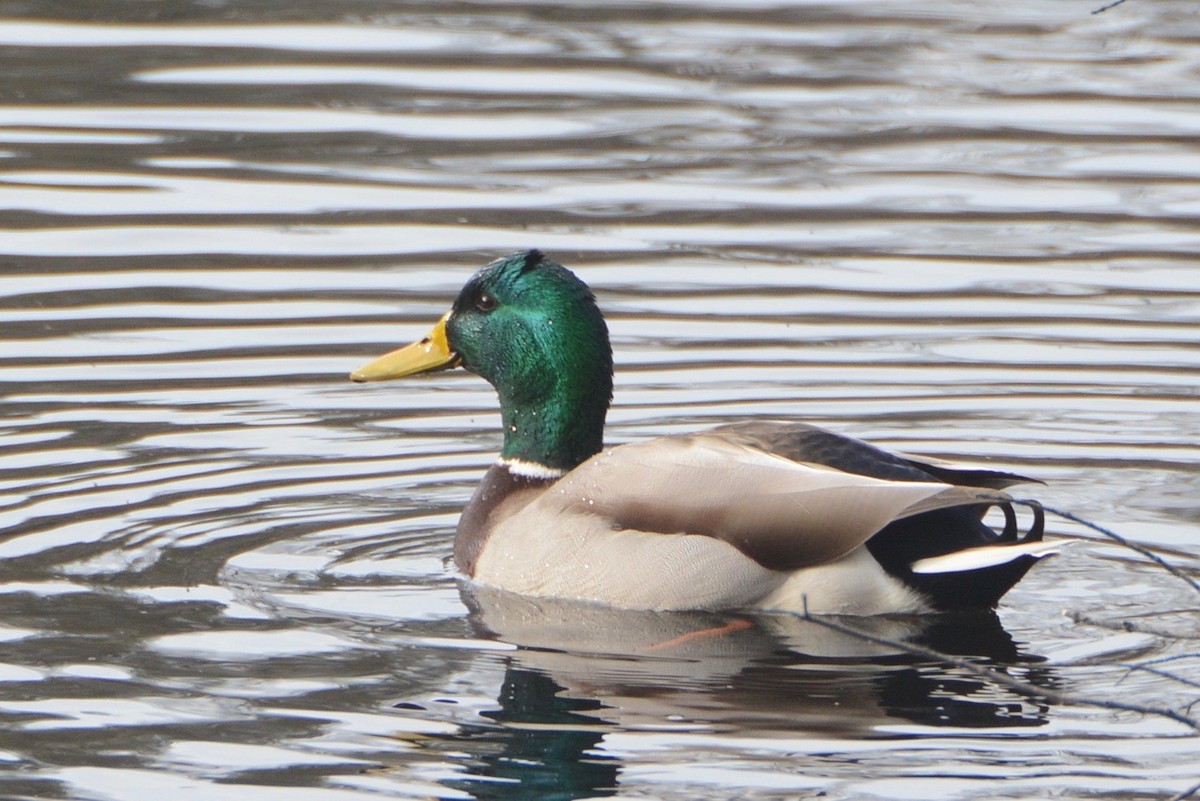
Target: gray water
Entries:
(965, 229)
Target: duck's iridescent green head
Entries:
(532, 329)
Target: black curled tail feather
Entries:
(945, 531)
(1012, 531)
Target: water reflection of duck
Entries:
(582, 671)
(764, 672)
(749, 515)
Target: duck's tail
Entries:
(956, 560)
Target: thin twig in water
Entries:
(996, 677)
(1162, 660)
(1129, 626)
(1101, 10)
(1188, 793)
(1160, 672)
(1117, 538)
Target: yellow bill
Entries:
(423, 356)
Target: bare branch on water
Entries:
(1188, 793)
(1166, 674)
(1002, 679)
(1131, 627)
(1030, 690)
(1179, 573)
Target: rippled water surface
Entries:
(966, 229)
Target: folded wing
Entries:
(781, 513)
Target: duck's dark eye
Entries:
(485, 302)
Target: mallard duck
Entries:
(750, 515)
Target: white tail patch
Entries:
(986, 556)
